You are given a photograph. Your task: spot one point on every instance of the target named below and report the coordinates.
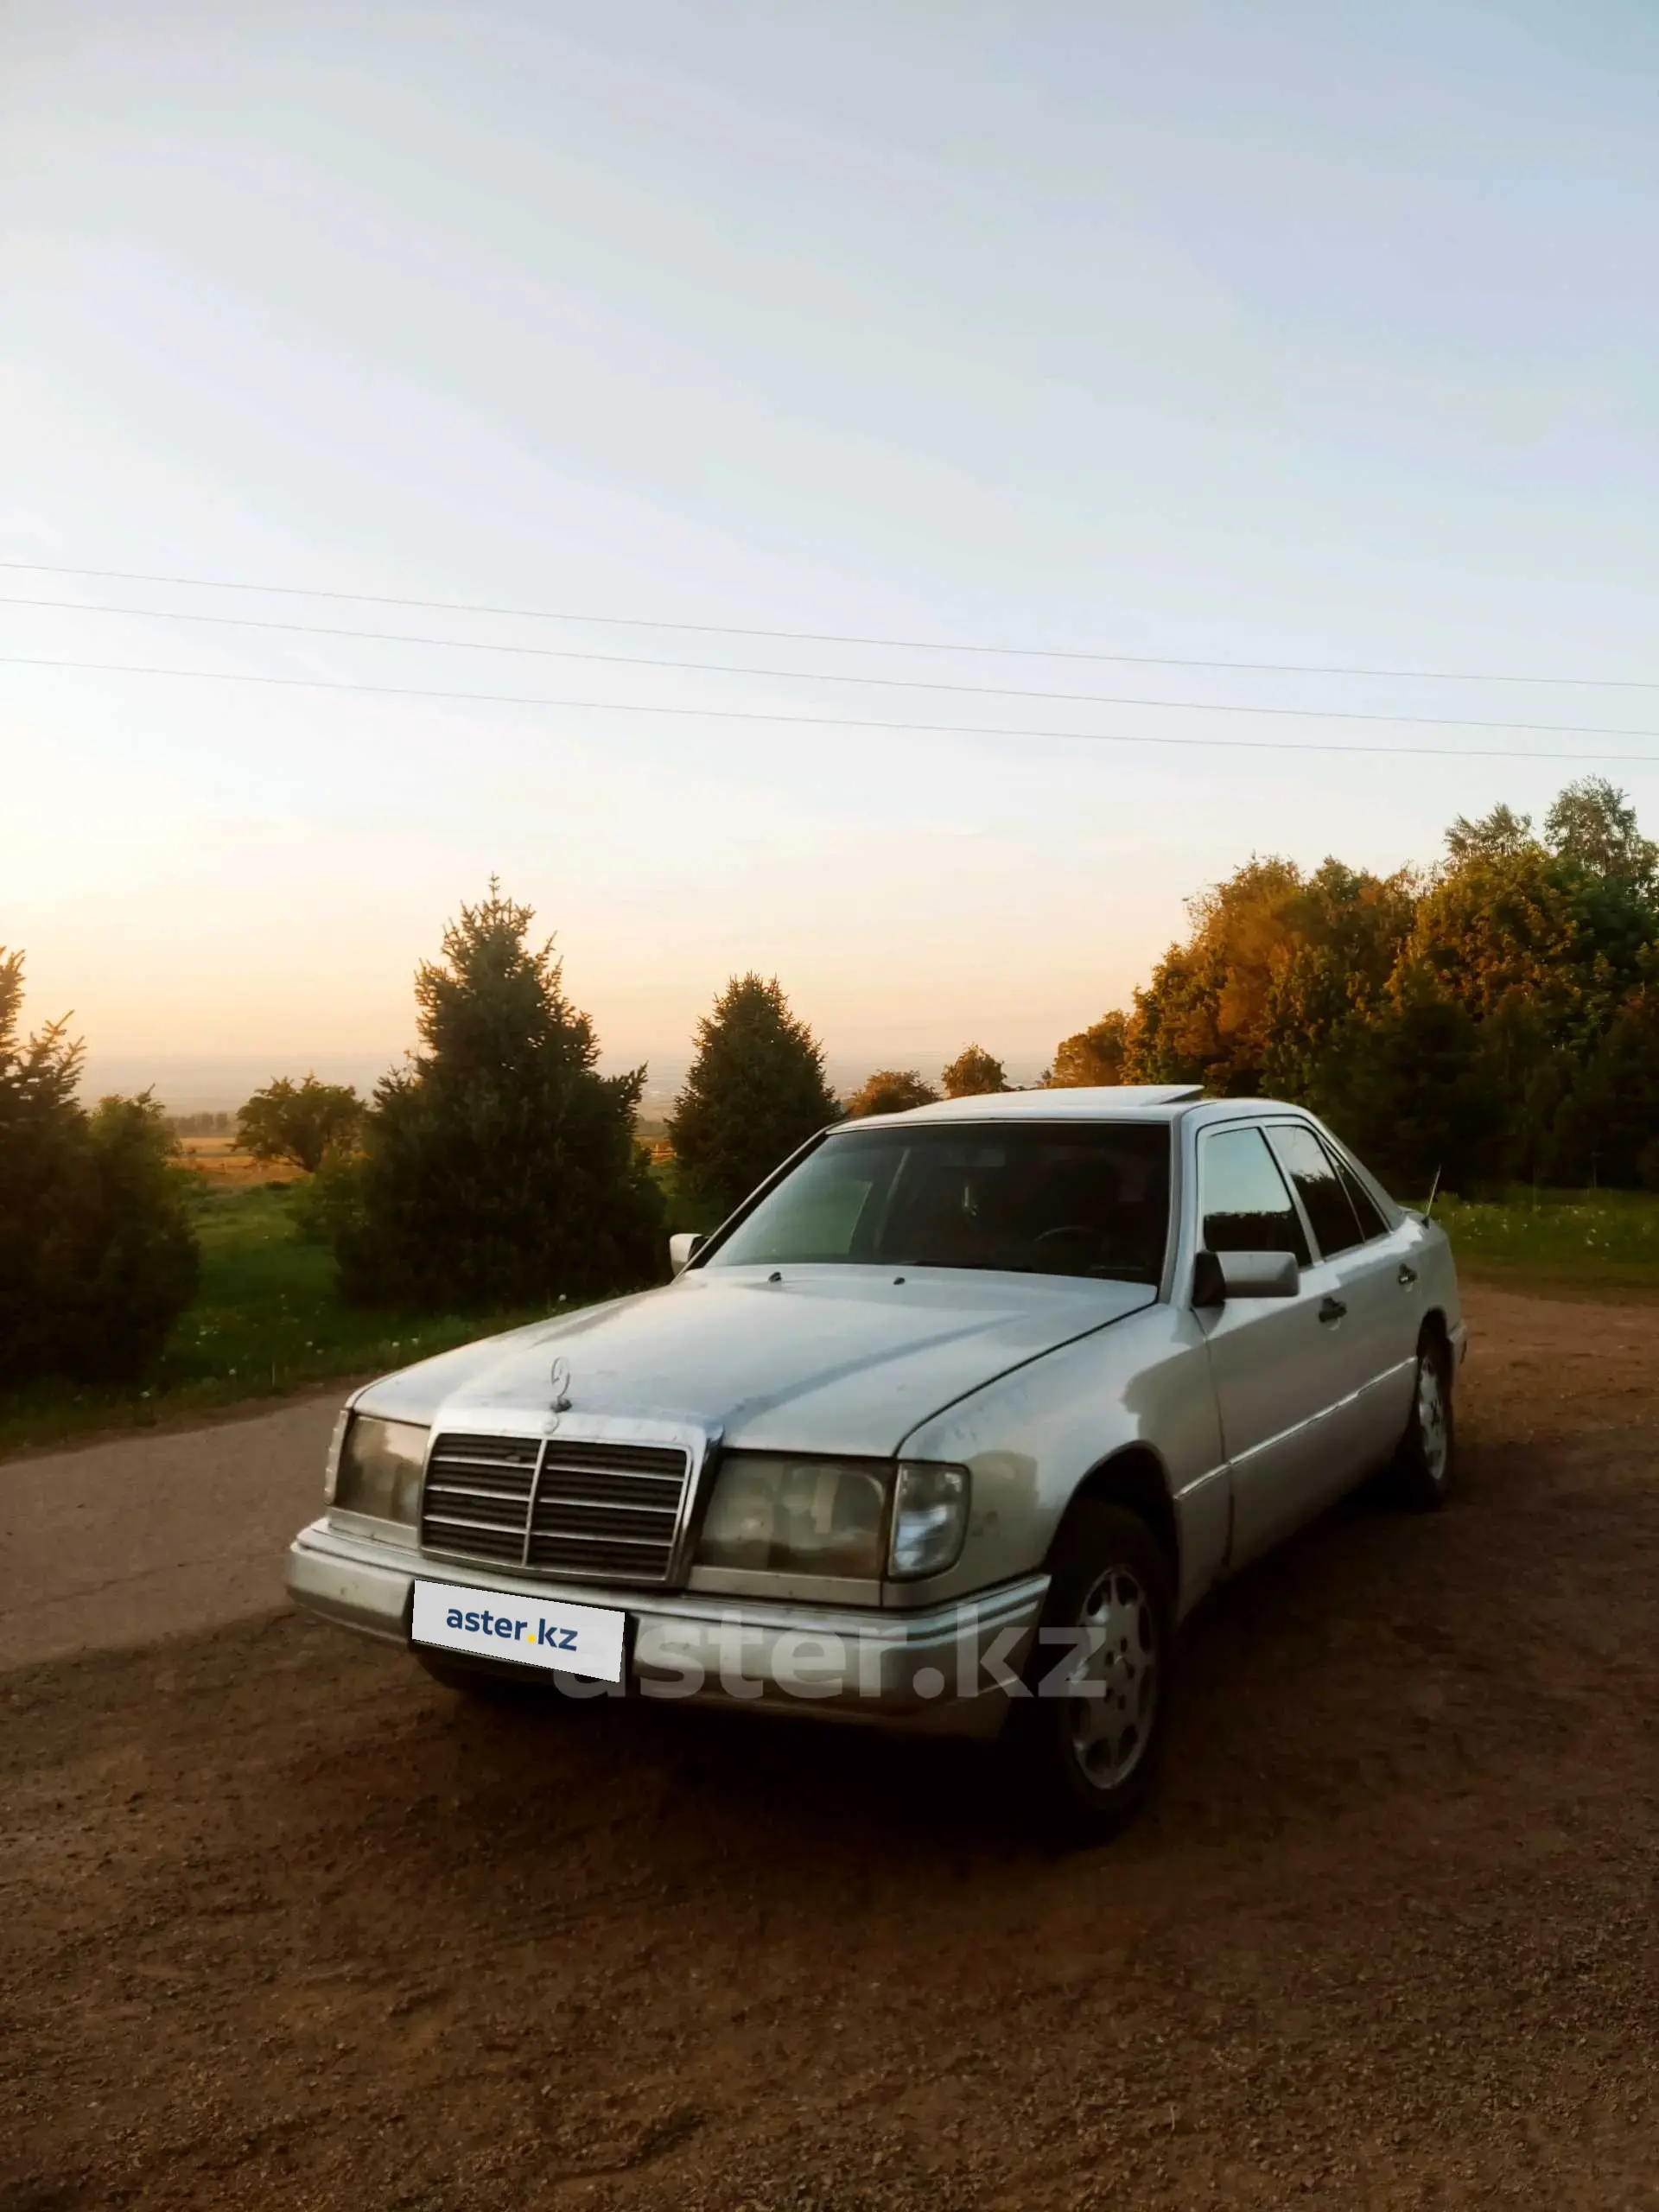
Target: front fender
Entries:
(1441, 1292)
(1031, 1437)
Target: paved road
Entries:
(120, 1543)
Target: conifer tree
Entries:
(498, 1168)
(756, 1090)
(98, 1258)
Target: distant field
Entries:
(223, 1165)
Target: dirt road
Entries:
(283, 1924)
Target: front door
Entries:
(1270, 1359)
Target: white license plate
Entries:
(533, 1631)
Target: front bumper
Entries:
(943, 1669)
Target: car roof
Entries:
(1140, 1101)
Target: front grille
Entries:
(604, 1511)
(607, 1509)
(477, 1496)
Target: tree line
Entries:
(1491, 1018)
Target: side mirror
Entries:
(1217, 1276)
(683, 1248)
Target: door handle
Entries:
(1332, 1309)
(1407, 1276)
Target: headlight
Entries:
(806, 1517)
(331, 1469)
(833, 1516)
(930, 1517)
(379, 1468)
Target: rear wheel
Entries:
(1089, 1736)
(1426, 1463)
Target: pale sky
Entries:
(1295, 332)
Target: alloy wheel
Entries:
(1112, 1686)
(1431, 1417)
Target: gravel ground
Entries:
(281, 1922)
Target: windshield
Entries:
(1091, 1199)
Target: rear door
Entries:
(1270, 1359)
(1373, 1340)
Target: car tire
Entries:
(1087, 1760)
(1424, 1464)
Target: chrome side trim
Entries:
(1389, 1374)
(1282, 1436)
(1215, 1474)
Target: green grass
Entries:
(1570, 1240)
(684, 1210)
(265, 1321)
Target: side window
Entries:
(1371, 1223)
(1244, 1205)
(1310, 1168)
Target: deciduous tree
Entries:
(891, 1090)
(1274, 964)
(1566, 921)
(973, 1073)
(1593, 825)
(1411, 1090)
(1610, 1121)
(1498, 921)
(1094, 1055)
(299, 1121)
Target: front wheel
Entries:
(1426, 1462)
(1088, 1737)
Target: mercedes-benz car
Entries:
(948, 1426)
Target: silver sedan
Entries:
(949, 1426)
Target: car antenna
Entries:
(1432, 1188)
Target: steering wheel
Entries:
(1066, 1229)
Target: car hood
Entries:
(819, 1359)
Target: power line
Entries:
(823, 722)
(830, 637)
(817, 676)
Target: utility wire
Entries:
(829, 638)
(820, 722)
(823, 676)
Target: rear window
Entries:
(1330, 1211)
(1371, 1222)
(1088, 1198)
